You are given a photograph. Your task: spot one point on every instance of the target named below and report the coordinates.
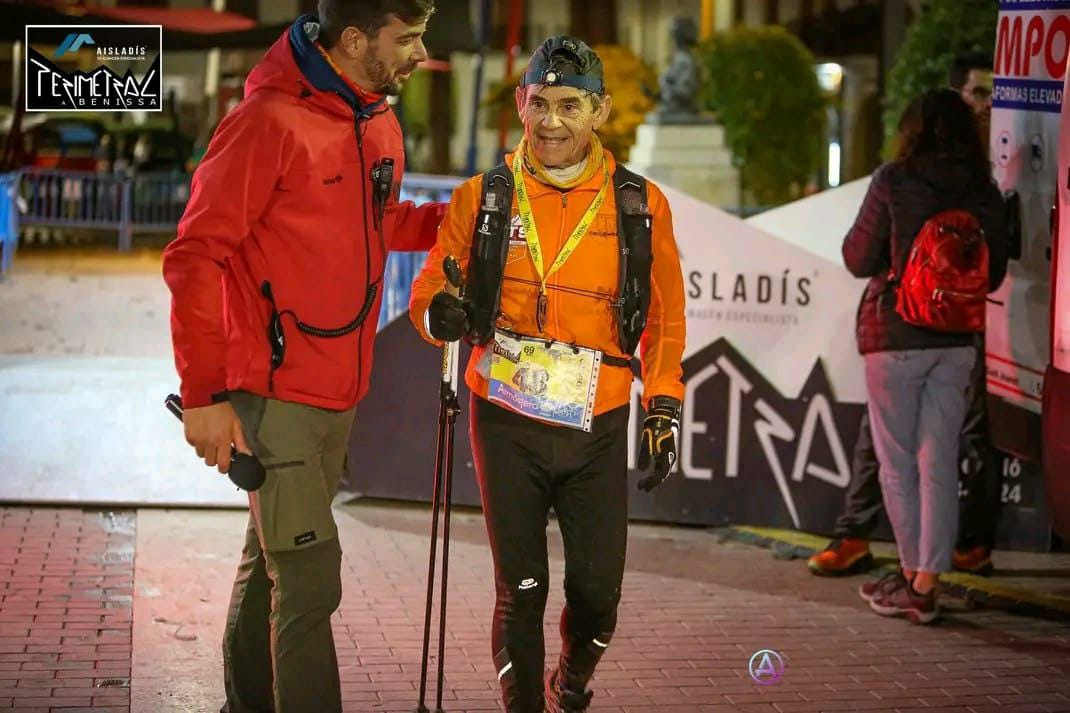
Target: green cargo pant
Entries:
(278, 651)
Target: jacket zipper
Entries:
(939, 294)
(561, 243)
(367, 244)
(367, 254)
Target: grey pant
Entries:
(917, 404)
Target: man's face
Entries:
(558, 122)
(390, 58)
(977, 92)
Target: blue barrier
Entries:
(9, 220)
(104, 201)
(402, 268)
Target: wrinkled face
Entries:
(977, 92)
(559, 121)
(389, 59)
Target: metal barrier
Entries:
(146, 202)
(140, 202)
(153, 202)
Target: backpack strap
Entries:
(634, 224)
(490, 247)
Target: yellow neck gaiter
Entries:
(595, 158)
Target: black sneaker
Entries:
(563, 700)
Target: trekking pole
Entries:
(447, 418)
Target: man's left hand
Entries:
(660, 441)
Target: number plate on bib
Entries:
(550, 382)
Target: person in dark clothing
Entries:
(979, 514)
(971, 77)
(917, 377)
(848, 552)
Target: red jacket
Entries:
(283, 196)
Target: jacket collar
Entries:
(319, 72)
(538, 188)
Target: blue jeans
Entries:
(917, 405)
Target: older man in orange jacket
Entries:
(570, 263)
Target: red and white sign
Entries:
(1032, 43)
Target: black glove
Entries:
(446, 317)
(661, 434)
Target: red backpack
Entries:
(945, 283)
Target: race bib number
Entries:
(554, 383)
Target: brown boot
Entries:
(845, 555)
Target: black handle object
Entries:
(452, 270)
(245, 470)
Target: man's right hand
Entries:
(211, 430)
(446, 317)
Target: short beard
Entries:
(376, 72)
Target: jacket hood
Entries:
(295, 66)
(945, 172)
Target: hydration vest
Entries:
(490, 247)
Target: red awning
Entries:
(201, 21)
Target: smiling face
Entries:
(559, 121)
(383, 63)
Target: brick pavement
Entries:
(694, 611)
(66, 580)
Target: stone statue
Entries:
(679, 82)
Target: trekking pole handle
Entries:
(454, 280)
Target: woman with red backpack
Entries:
(931, 237)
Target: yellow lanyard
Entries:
(531, 233)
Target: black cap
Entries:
(565, 61)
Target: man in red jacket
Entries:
(276, 278)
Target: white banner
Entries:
(774, 383)
(1032, 40)
(775, 286)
